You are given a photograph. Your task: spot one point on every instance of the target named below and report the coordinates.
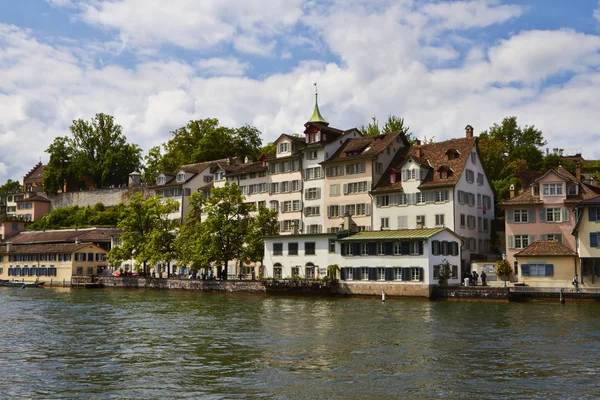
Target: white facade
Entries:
(303, 256)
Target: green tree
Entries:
(97, 153)
(507, 149)
(503, 269)
(153, 165)
(78, 217)
(264, 223)
(269, 148)
(8, 188)
(142, 230)
(392, 124)
(445, 273)
(215, 228)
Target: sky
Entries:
(154, 65)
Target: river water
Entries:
(113, 343)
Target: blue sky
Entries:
(154, 65)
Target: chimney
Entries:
(578, 171)
(512, 191)
(469, 131)
(418, 153)
(134, 179)
(349, 224)
(417, 142)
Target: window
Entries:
(441, 195)
(439, 219)
(521, 215)
(552, 236)
(312, 211)
(383, 201)
(79, 256)
(381, 248)
(402, 222)
(295, 271)
(385, 223)
(79, 271)
(314, 228)
(364, 249)
(296, 205)
(283, 147)
(274, 205)
(552, 189)
(313, 173)
(553, 214)
(287, 206)
(285, 186)
(397, 248)
(274, 188)
(333, 211)
(381, 273)
(480, 179)
(379, 167)
(312, 155)
(415, 274)
(470, 175)
(332, 245)
(357, 168)
(537, 269)
(312, 193)
(355, 187)
(411, 174)
(521, 241)
(470, 222)
(572, 189)
(277, 249)
(463, 220)
(292, 249)
(486, 225)
(334, 190)
(420, 221)
(160, 180)
(262, 204)
(397, 273)
(349, 273)
(277, 271)
(100, 257)
(289, 225)
(335, 171)
(309, 248)
(296, 187)
(181, 177)
(90, 270)
(364, 273)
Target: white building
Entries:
(439, 185)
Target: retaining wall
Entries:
(155, 283)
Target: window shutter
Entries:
(368, 209)
(531, 239)
(406, 274)
(542, 215)
(372, 274)
(405, 247)
(389, 248)
(549, 270)
(559, 237)
(525, 269)
(356, 249)
(421, 274)
(420, 247)
(280, 226)
(372, 249)
(357, 276)
(543, 237)
(435, 247)
(454, 248)
(565, 214)
(343, 250)
(389, 274)
(329, 211)
(345, 188)
(593, 213)
(343, 273)
(318, 193)
(511, 242)
(593, 239)
(531, 218)
(510, 216)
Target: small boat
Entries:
(21, 284)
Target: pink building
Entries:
(544, 211)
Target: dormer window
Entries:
(572, 190)
(392, 177)
(552, 189)
(452, 154)
(313, 137)
(181, 177)
(283, 147)
(444, 172)
(160, 180)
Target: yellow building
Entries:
(547, 263)
(56, 262)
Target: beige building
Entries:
(547, 263)
(56, 262)
(587, 234)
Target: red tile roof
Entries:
(66, 235)
(546, 248)
(43, 248)
(363, 147)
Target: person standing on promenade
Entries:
(576, 283)
(483, 278)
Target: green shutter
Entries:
(531, 215)
(565, 214)
(510, 216)
(511, 242)
(525, 269)
(406, 274)
(593, 213)
(421, 274)
(593, 239)
(549, 270)
(542, 215)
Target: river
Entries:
(61, 343)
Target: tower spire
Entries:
(316, 116)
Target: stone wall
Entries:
(183, 284)
(391, 289)
(108, 197)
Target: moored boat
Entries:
(21, 284)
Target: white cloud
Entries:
(222, 66)
(419, 61)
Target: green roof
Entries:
(317, 117)
(394, 235)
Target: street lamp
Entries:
(504, 267)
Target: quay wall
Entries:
(108, 197)
(392, 290)
(182, 284)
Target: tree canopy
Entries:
(201, 140)
(9, 187)
(265, 223)
(392, 124)
(78, 217)
(216, 228)
(145, 224)
(97, 154)
(507, 149)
